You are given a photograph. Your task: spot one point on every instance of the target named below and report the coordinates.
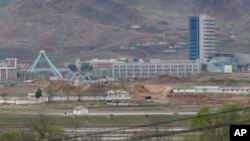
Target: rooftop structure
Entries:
(96, 63)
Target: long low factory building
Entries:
(213, 89)
(147, 69)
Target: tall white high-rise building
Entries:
(207, 36)
(201, 37)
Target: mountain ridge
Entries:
(99, 28)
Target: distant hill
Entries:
(85, 29)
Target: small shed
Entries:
(79, 110)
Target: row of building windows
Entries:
(236, 90)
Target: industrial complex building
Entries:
(202, 58)
(201, 37)
(147, 69)
(8, 69)
(202, 41)
(102, 68)
(136, 69)
(228, 63)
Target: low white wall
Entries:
(22, 101)
(25, 100)
(225, 90)
(75, 98)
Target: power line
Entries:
(170, 133)
(158, 123)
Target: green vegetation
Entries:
(16, 135)
(45, 127)
(49, 127)
(65, 121)
(66, 89)
(86, 67)
(42, 127)
(38, 93)
(218, 134)
(72, 67)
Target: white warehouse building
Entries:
(147, 69)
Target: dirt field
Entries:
(209, 99)
(157, 87)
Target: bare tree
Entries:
(157, 131)
(4, 95)
(144, 132)
(45, 128)
(80, 91)
(50, 90)
(66, 89)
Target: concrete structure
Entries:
(217, 67)
(126, 68)
(173, 67)
(22, 100)
(213, 89)
(228, 68)
(8, 69)
(78, 64)
(79, 110)
(96, 63)
(201, 37)
(110, 95)
(222, 63)
(102, 68)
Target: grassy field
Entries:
(91, 121)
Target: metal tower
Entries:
(52, 68)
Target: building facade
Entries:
(228, 63)
(201, 37)
(102, 68)
(147, 69)
(193, 38)
(8, 69)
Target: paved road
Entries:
(142, 113)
